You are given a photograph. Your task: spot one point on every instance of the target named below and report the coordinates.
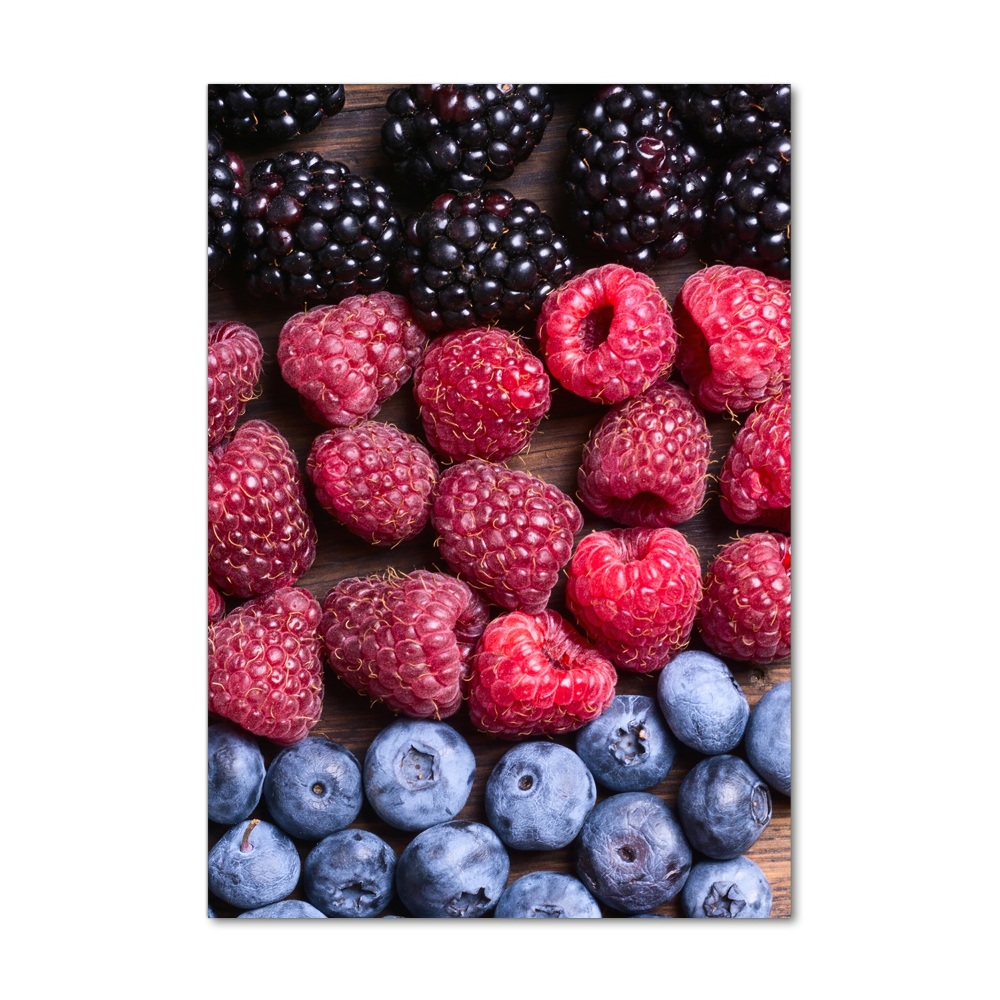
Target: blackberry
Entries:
(480, 258)
(638, 186)
(457, 136)
(268, 113)
(314, 231)
(226, 182)
(752, 214)
(727, 116)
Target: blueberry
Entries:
(453, 869)
(313, 788)
(538, 795)
(629, 748)
(350, 874)
(734, 888)
(547, 894)
(418, 773)
(723, 806)
(235, 773)
(768, 739)
(253, 864)
(288, 909)
(632, 854)
(702, 702)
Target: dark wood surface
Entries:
(554, 455)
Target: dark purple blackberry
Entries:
(729, 116)
(267, 113)
(639, 187)
(226, 182)
(480, 258)
(314, 231)
(751, 218)
(458, 136)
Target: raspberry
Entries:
(504, 531)
(404, 640)
(374, 479)
(635, 593)
(607, 334)
(645, 465)
(235, 357)
(265, 670)
(536, 675)
(261, 535)
(755, 485)
(216, 604)
(735, 327)
(482, 394)
(746, 611)
(346, 360)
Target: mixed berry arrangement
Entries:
(499, 501)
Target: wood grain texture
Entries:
(554, 455)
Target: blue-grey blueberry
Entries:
(286, 909)
(235, 773)
(252, 864)
(768, 739)
(547, 894)
(350, 873)
(734, 888)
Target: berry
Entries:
(315, 232)
(287, 909)
(268, 113)
(505, 531)
(638, 186)
(346, 360)
(350, 873)
(264, 667)
(755, 485)
(728, 116)
(226, 184)
(746, 608)
(481, 260)
(735, 328)
(723, 807)
(253, 864)
(418, 773)
(645, 464)
(374, 479)
(235, 359)
(261, 535)
(538, 795)
(546, 894)
(481, 393)
(457, 137)
(736, 889)
(536, 675)
(216, 605)
(235, 774)
(702, 702)
(403, 639)
(607, 334)
(635, 593)
(768, 741)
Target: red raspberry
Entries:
(481, 393)
(746, 610)
(735, 326)
(607, 334)
(536, 675)
(505, 531)
(755, 485)
(346, 360)
(404, 640)
(374, 479)
(235, 358)
(645, 464)
(635, 593)
(265, 668)
(216, 604)
(261, 535)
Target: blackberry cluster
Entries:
(727, 116)
(226, 182)
(459, 136)
(267, 113)
(752, 214)
(314, 231)
(480, 259)
(639, 187)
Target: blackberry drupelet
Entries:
(751, 218)
(727, 116)
(639, 187)
(316, 232)
(479, 259)
(457, 136)
(226, 183)
(267, 113)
